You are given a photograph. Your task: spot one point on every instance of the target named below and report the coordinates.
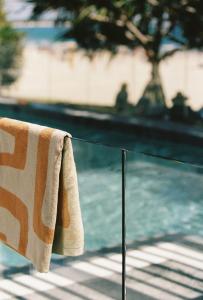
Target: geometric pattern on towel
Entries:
(39, 200)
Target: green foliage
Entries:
(10, 51)
(107, 24)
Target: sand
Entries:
(52, 73)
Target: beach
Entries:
(57, 72)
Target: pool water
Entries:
(162, 197)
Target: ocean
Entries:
(42, 34)
(55, 34)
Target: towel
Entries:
(39, 200)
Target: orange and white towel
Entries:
(39, 200)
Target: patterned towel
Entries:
(39, 202)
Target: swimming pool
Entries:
(163, 197)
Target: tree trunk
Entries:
(153, 98)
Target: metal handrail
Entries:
(123, 161)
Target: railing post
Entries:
(123, 158)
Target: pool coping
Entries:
(151, 128)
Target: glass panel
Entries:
(164, 228)
(97, 273)
(99, 176)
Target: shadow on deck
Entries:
(166, 268)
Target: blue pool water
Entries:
(162, 197)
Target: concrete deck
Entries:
(169, 268)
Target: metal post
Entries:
(123, 157)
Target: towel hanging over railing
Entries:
(39, 199)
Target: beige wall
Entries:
(53, 74)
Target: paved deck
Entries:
(169, 268)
